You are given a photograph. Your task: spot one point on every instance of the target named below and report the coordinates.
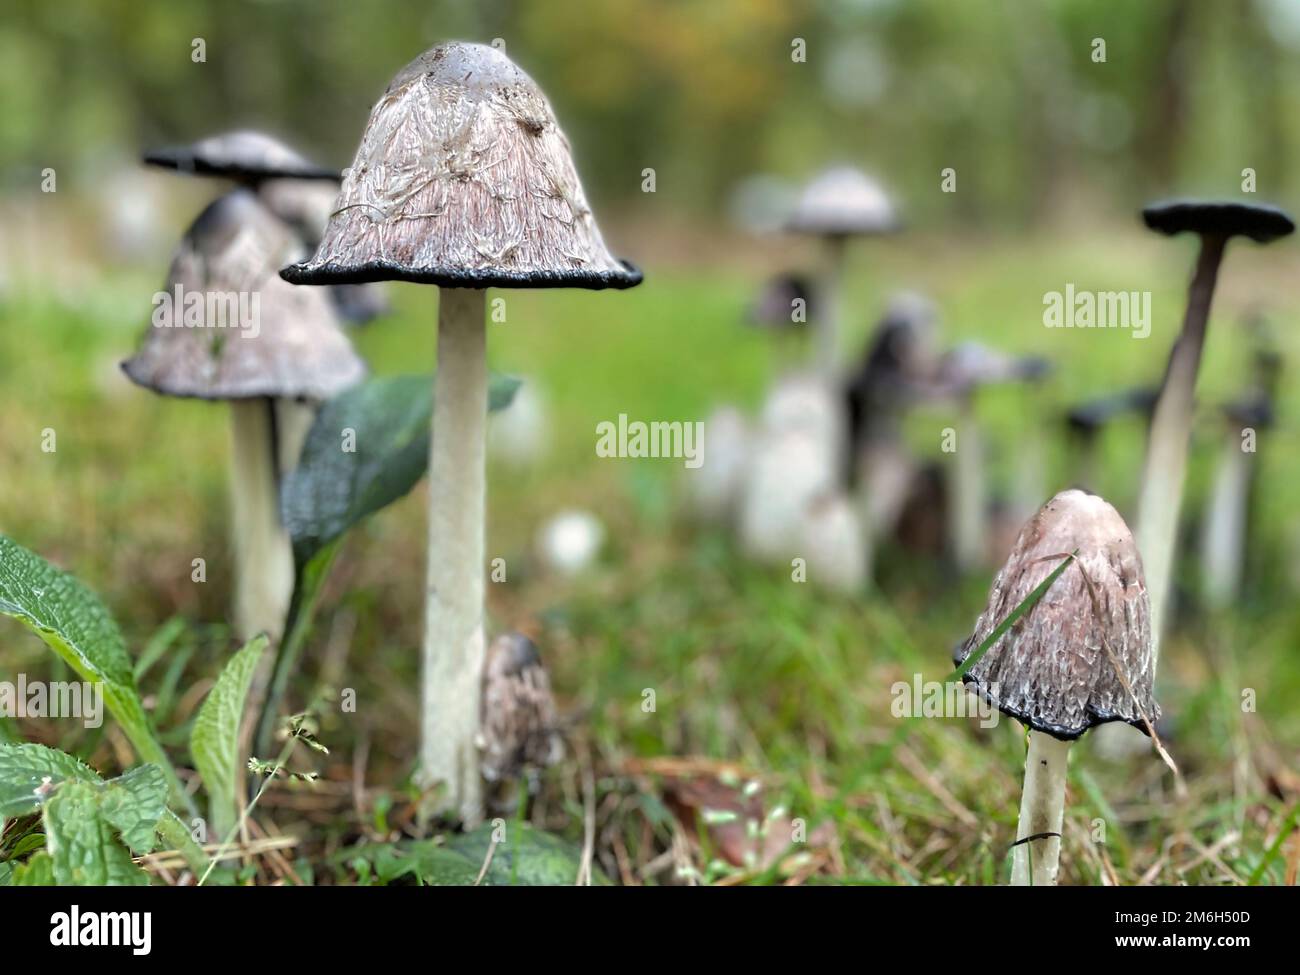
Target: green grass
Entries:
(747, 667)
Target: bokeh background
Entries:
(755, 677)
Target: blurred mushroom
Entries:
(519, 735)
(1166, 461)
(463, 180)
(227, 328)
(295, 189)
(1086, 422)
(569, 542)
(1080, 657)
(520, 434)
(962, 372)
(833, 544)
(840, 203)
(716, 486)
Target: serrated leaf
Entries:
(81, 842)
(38, 871)
(133, 803)
(333, 488)
(30, 773)
(214, 739)
(76, 626)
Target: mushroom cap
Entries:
(297, 348)
(1092, 415)
(306, 206)
(520, 728)
(1219, 219)
(464, 180)
(972, 364)
(1051, 670)
(243, 155)
(843, 201)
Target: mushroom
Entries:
(227, 328)
(1224, 531)
(840, 203)
(297, 190)
(716, 486)
(1166, 460)
(520, 730)
(961, 373)
(1087, 420)
(1081, 656)
(463, 180)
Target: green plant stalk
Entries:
(173, 831)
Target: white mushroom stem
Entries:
(263, 553)
(1171, 425)
(968, 508)
(453, 621)
(1042, 811)
(828, 320)
(1223, 544)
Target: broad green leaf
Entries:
(30, 773)
(133, 803)
(76, 626)
(339, 481)
(38, 871)
(426, 865)
(214, 739)
(81, 841)
(6, 873)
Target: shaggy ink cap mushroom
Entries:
(1260, 223)
(1052, 670)
(232, 251)
(463, 179)
(1090, 416)
(243, 155)
(843, 201)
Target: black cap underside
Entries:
(628, 277)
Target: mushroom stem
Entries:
(1166, 461)
(969, 504)
(263, 553)
(828, 320)
(1042, 810)
(1223, 543)
(453, 622)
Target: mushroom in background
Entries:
(1087, 421)
(519, 734)
(962, 372)
(1166, 461)
(717, 485)
(520, 434)
(569, 542)
(831, 541)
(1080, 657)
(840, 203)
(294, 188)
(289, 355)
(795, 461)
(463, 180)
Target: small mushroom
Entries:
(463, 180)
(1166, 460)
(840, 203)
(1081, 656)
(716, 486)
(227, 328)
(520, 732)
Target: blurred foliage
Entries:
(1007, 93)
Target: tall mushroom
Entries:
(298, 191)
(1081, 656)
(1166, 461)
(463, 180)
(840, 203)
(1085, 422)
(227, 328)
